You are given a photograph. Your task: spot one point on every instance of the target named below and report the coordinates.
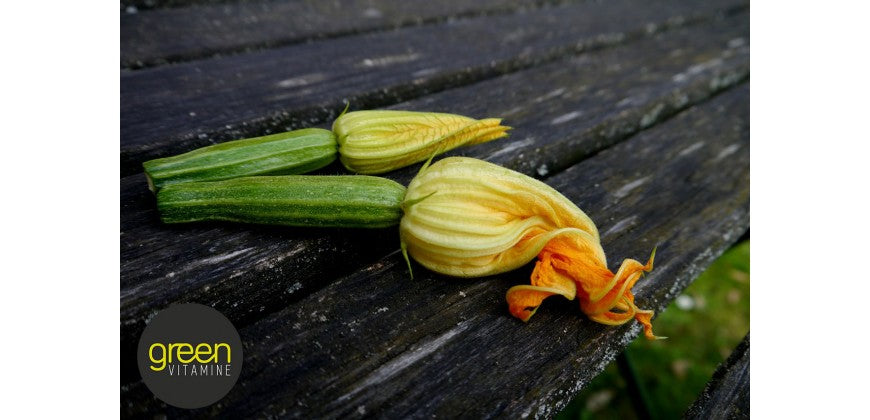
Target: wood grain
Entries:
(171, 109)
(375, 343)
(182, 34)
(247, 272)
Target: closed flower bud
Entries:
(465, 217)
(374, 142)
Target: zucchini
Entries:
(356, 201)
(290, 153)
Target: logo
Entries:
(190, 355)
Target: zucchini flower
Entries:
(467, 218)
(374, 142)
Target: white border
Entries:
(809, 214)
(60, 207)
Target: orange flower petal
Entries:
(546, 276)
(645, 318)
(579, 258)
(523, 301)
(628, 274)
(615, 318)
(605, 297)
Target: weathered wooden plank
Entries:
(726, 396)
(134, 6)
(169, 109)
(561, 112)
(377, 343)
(181, 34)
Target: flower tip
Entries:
(645, 318)
(408, 203)
(652, 337)
(652, 257)
(528, 315)
(346, 107)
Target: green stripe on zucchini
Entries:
(356, 201)
(290, 153)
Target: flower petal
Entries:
(615, 318)
(523, 301)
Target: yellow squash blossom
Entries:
(374, 142)
(465, 217)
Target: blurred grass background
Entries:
(703, 325)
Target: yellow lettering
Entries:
(185, 353)
(218, 346)
(206, 352)
(161, 361)
(172, 347)
(184, 349)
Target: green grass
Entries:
(704, 325)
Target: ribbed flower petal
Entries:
(372, 142)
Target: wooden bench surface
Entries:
(726, 396)
(638, 113)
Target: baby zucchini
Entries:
(355, 201)
(290, 153)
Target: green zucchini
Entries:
(356, 201)
(290, 153)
